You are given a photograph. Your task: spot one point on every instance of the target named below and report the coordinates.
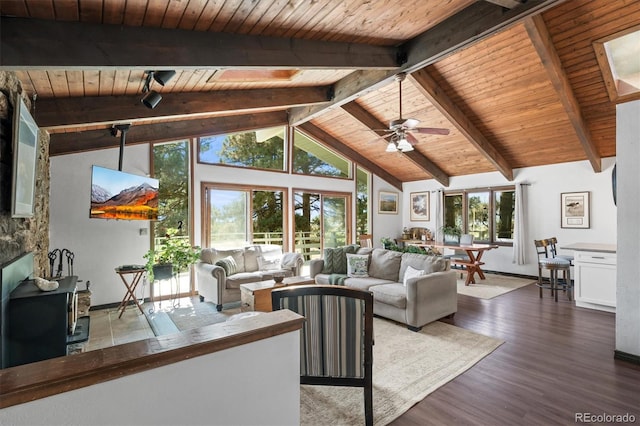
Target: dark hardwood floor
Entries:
(557, 360)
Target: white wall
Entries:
(206, 390)
(543, 200)
(99, 245)
(628, 283)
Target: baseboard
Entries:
(623, 356)
(509, 274)
(115, 305)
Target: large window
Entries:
(260, 149)
(237, 215)
(311, 158)
(487, 214)
(363, 201)
(321, 220)
(171, 168)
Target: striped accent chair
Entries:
(336, 342)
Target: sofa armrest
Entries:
(208, 270)
(292, 262)
(436, 292)
(315, 267)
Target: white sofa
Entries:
(253, 263)
(424, 299)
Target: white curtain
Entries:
(437, 235)
(519, 233)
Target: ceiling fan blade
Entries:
(410, 123)
(411, 139)
(431, 130)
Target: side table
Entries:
(137, 273)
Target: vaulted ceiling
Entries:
(516, 82)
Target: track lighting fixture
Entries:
(153, 98)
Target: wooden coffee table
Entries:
(257, 296)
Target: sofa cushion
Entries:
(357, 265)
(394, 294)
(335, 259)
(229, 265)
(385, 264)
(251, 254)
(235, 280)
(364, 283)
(265, 264)
(237, 254)
(424, 262)
(411, 272)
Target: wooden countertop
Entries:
(599, 247)
(49, 377)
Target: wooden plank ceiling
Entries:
(516, 83)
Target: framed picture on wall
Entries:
(419, 206)
(388, 202)
(575, 209)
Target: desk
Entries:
(131, 287)
(473, 264)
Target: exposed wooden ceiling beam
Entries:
(366, 118)
(67, 143)
(468, 26)
(325, 138)
(40, 44)
(541, 39)
(430, 89)
(81, 112)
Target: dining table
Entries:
(474, 252)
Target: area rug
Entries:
(494, 285)
(407, 366)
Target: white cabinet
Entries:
(595, 280)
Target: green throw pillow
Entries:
(229, 265)
(335, 259)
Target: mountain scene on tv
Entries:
(119, 195)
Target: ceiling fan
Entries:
(399, 128)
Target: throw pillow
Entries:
(357, 265)
(268, 264)
(335, 259)
(228, 264)
(411, 273)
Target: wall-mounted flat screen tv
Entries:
(120, 195)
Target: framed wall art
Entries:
(575, 209)
(388, 202)
(25, 158)
(419, 206)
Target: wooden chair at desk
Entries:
(460, 255)
(366, 240)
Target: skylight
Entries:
(619, 59)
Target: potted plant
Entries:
(174, 255)
(451, 234)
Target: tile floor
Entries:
(109, 330)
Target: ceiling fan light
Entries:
(391, 147)
(404, 145)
